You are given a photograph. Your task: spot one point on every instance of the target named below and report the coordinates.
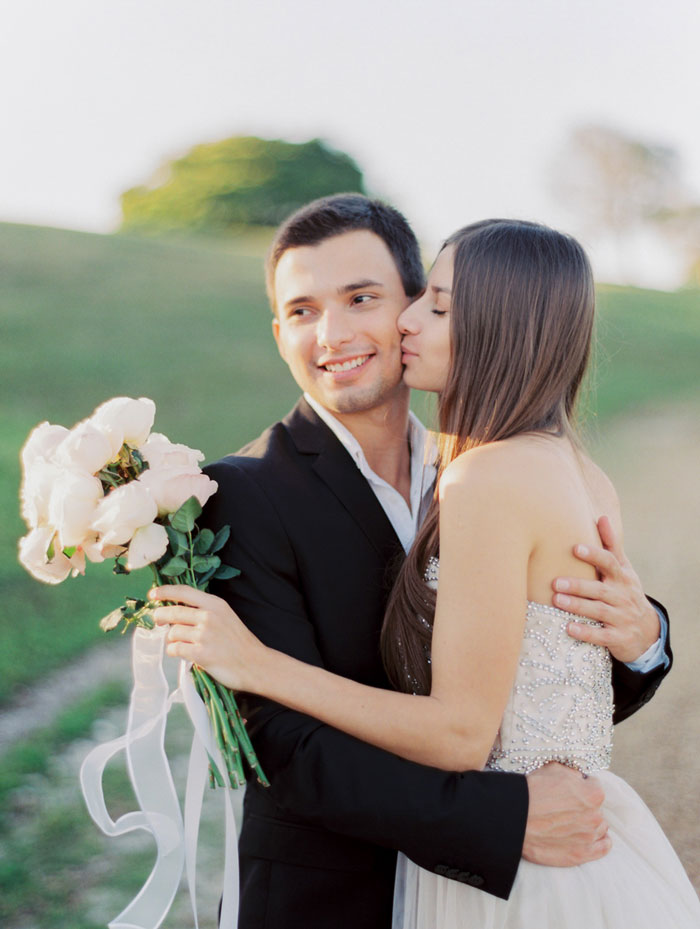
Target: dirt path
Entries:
(654, 461)
(37, 706)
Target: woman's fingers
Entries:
(178, 614)
(185, 650)
(181, 593)
(183, 633)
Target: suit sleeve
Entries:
(455, 824)
(634, 689)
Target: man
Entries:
(322, 507)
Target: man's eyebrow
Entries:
(359, 285)
(295, 301)
(344, 289)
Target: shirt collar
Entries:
(423, 448)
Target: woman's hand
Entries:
(206, 631)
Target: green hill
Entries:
(86, 317)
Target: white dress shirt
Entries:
(406, 520)
(403, 518)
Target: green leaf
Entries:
(140, 462)
(119, 567)
(70, 551)
(133, 603)
(225, 572)
(202, 543)
(201, 563)
(111, 620)
(184, 518)
(220, 539)
(203, 579)
(174, 568)
(177, 540)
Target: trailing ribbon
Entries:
(149, 772)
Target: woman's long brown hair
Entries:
(521, 323)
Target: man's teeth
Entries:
(347, 365)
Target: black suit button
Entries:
(453, 874)
(476, 880)
(441, 869)
(463, 877)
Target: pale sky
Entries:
(455, 110)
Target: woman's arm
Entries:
(485, 546)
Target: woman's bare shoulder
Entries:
(494, 459)
(510, 468)
(602, 489)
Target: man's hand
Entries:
(616, 599)
(565, 825)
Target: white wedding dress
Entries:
(560, 709)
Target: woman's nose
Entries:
(408, 320)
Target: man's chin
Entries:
(360, 400)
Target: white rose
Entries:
(160, 452)
(73, 504)
(38, 481)
(77, 562)
(123, 419)
(171, 487)
(85, 448)
(32, 555)
(41, 443)
(147, 545)
(124, 510)
(97, 552)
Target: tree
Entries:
(243, 180)
(615, 181)
(617, 185)
(681, 227)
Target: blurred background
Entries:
(149, 148)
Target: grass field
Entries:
(86, 317)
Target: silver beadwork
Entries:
(561, 705)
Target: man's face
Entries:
(337, 306)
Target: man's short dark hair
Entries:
(331, 216)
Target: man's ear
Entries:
(276, 334)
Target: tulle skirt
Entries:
(640, 883)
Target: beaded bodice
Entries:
(561, 705)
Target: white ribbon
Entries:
(152, 781)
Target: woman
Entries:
(489, 675)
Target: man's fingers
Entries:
(597, 610)
(586, 590)
(611, 540)
(594, 635)
(605, 562)
(600, 848)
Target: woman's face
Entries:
(425, 326)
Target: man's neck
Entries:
(383, 435)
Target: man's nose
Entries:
(333, 329)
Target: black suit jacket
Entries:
(318, 557)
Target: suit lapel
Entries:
(335, 467)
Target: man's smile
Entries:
(341, 365)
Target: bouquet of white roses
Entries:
(111, 488)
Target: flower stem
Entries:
(246, 745)
(225, 737)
